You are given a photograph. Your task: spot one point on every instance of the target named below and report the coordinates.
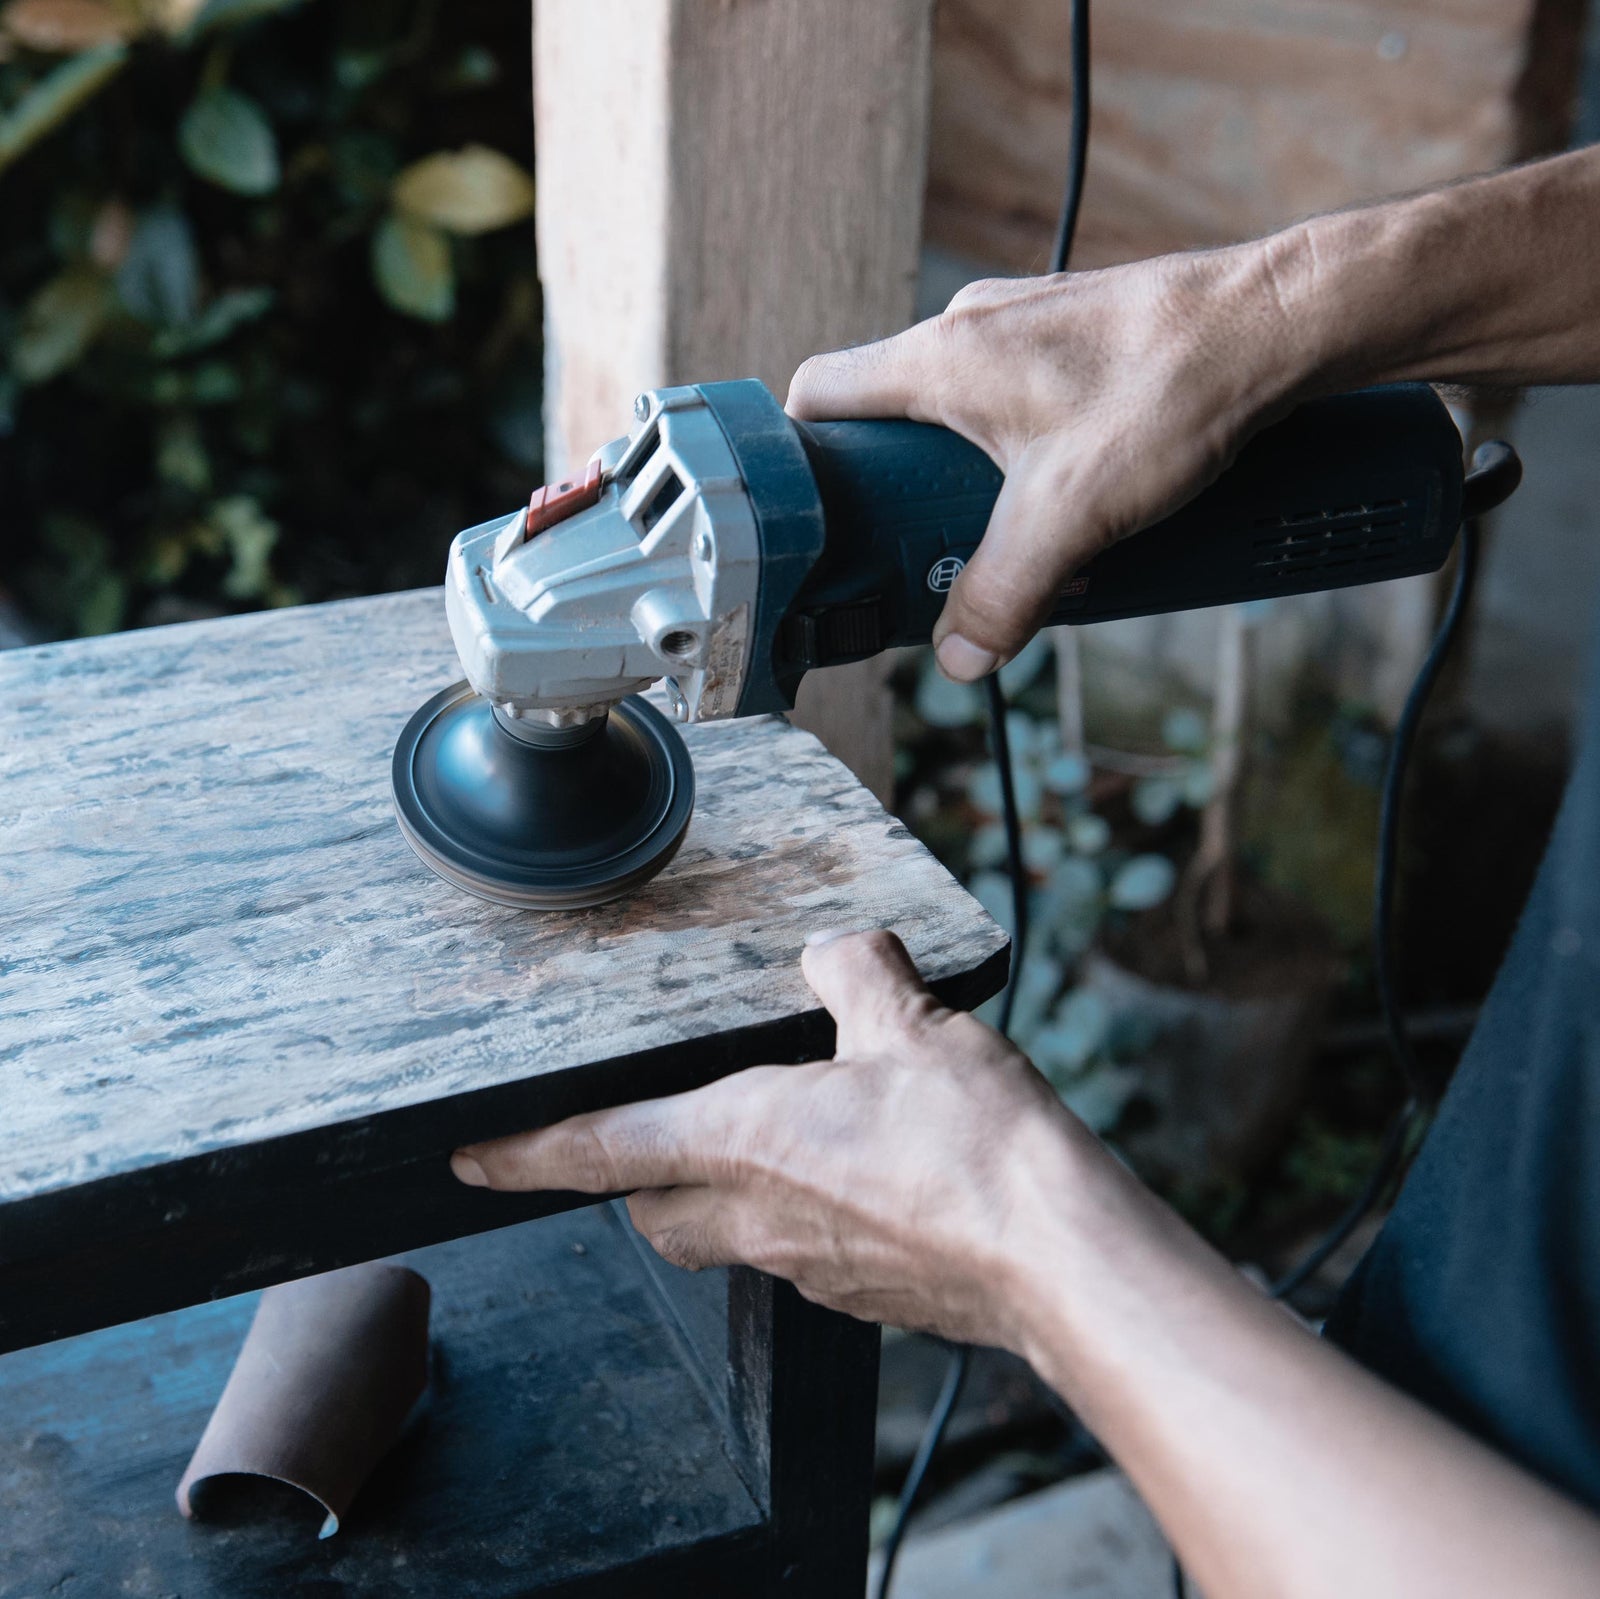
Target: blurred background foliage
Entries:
(269, 312)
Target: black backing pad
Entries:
(541, 828)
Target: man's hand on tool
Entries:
(894, 1181)
(1109, 398)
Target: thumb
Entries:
(1032, 545)
(870, 986)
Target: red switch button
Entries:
(555, 502)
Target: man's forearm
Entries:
(1277, 1466)
(1495, 282)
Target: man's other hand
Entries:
(891, 1182)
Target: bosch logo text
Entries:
(944, 572)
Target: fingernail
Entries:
(467, 1170)
(826, 935)
(963, 661)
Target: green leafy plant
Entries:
(269, 314)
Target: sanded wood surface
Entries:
(1216, 120)
(241, 1026)
(725, 190)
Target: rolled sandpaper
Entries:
(329, 1371)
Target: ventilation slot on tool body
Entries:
(1352, 536)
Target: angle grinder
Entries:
(726, 549)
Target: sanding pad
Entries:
(580, 818)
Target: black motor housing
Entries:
(1352, 488)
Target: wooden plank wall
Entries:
(1217, 120)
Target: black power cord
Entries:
(1397, 1140)
(960, 1359)
(955, 1376)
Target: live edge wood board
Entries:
(241, 1027)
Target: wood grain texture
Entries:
(759, 171)
(1218, 120)
(240, 1024)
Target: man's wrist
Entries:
(1063, 1188)
(1445, 287)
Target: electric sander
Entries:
(725, 549)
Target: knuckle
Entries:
(981, 291)
(677, 1245)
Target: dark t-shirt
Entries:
(1481, 1295)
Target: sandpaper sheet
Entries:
(331, 1368)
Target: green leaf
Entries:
(984, 791)
(1155, 800)
(1042, 848)
(412, 265)
(249, 536)
(229, 311)
(1199, 784)
(1184, 730)
(72, 222)
(1070, 908)
(226, 138)
(50, 101)
(474, 68)
(1142, 883)
(1026, 735)
(988, 846)
(1087, 833)
(159, 278)
(100, 608)
(60, 322)
(181, 457)
(1067, 774)
(1075, 1035)
(468, 191)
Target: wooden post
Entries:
(727, 187)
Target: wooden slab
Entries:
(241, 1027)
